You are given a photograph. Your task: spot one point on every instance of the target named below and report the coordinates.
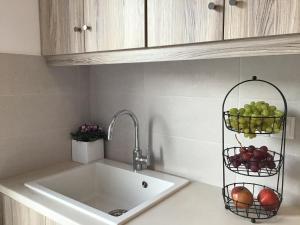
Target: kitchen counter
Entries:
(193, 205)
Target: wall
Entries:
(19, 22)
(39, 106)
(179, 107)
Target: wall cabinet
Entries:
(114, 24)
(96, 27)
(77, 26)
(57, 21)
(173, 22)
(259, 18)
(15, 213)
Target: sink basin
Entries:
(108, 191)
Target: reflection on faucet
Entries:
(138, 159)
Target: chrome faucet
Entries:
(139, 161)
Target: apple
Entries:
(242, 197)
(268, 199)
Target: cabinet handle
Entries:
(77, 29)
(86, 27)
(232, 2)
(212, 5)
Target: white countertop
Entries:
(196, 204)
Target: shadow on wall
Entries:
(293, 145)
(292, 181)
(157, 157)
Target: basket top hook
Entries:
(254, 78)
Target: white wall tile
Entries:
(39, 106)
(118, 78)
(7, 75)
(107, 104)
(33, 151)
(283, 71)
(197, 160)
(207, 78)
(186, 117)
(292, 179)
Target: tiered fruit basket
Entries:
(264, 162)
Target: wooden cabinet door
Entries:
(258, 18)
(173, 22)
(16, 213)
(114, 24)
(58, 19)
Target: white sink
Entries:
(101, 187)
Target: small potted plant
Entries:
(88, 144)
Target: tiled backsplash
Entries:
(38, 108)
(179, 107)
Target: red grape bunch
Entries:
(252, 158)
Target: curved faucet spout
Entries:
(138, 159)
(135, 122)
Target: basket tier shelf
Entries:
(267, 167)
(254, 211)
(254, 123)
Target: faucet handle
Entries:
(143, 161)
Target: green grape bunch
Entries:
(256, 117)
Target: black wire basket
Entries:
(253, 126)
(254, 211)
(265, 167)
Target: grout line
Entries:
(185, 138)
(37, 132)
(146, 23)
(44, 94)
(147, 95)
(239, 88)
(90, 94)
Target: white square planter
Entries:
(86, 152)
